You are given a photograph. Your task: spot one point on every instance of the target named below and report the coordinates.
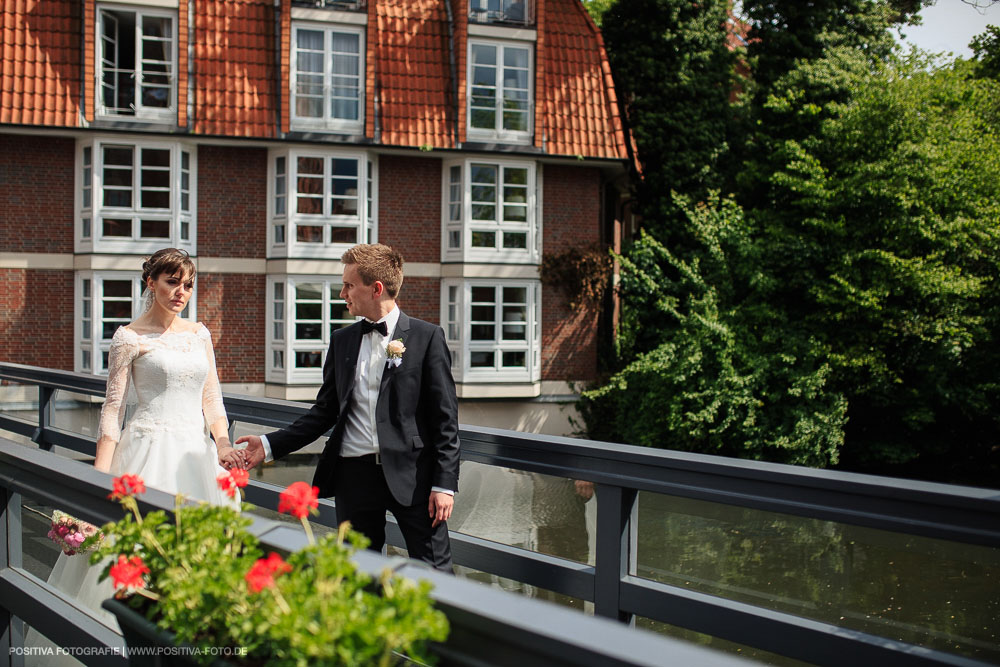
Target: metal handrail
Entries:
(955, 513)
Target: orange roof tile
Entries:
(412, 77)
(234, 92)
(579, 108)
(40, 78)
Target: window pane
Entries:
(309, 331)
(156, 26)
(343, 235)
(308, 234)
(484, 55)
(515, 240)
(481, 359)
(483, 332)
(483, 313)
(155, 157)
(310, 165)
(515, 332)
(309, 291)
(481, 294)
(514, 359)
(515, 295)
(119, 288)
(309, 311)
(309, 359)
(185, 231)
(515, 121)
(309, 39)
(119, 177)
(309, 205)
(484, 239)
(118, 228)
(155, 199)
(117, 310)
(513, 57)
(484, 212)
(484, 193)
(481, 173)
(118, 155)
(483, 118)
(455, 239)
(158, 229)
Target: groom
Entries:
(394, 415)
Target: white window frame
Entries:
(282, 233)
(457, 232)
(457, 321)
(498, 133)
(327, 122)
(181, 191)
(282, 344)
(90, 343)
(140, 112)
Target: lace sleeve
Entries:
(124, 350)
(211, 397)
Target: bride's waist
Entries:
(174, 420)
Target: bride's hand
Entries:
(230, 457)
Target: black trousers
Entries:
(363, 497)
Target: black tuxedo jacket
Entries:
(416, 414)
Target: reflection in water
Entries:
(929, 592)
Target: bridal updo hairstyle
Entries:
(377, 262)
(169, 261)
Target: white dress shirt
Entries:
(360, 431)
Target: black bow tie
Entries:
(368, 327)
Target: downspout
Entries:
(191, 74)
(376, 103)
(83, 66)
(454, 73)
(277, 66)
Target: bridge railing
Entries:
(954, 514)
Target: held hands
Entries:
(254, 452)
(439, 507)
(229, 457)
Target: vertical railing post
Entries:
(46, 413)
(11, 627)
(617, 518)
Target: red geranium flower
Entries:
(125, 486)
(240, 477)
(262, 574)
(225, 482)
(298, 499)
(127, 572)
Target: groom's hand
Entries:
(439, 507)
(254, 452)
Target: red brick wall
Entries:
(572, 216)
(36, 326)
(36, 193)
(232, 201)
(421, 298)
(409, 211)
(232, 307)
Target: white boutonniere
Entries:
(394, 352)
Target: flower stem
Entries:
(308, 529)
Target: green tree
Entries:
(986, 48)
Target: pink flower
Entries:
(225, 482)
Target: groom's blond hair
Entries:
(377, 262)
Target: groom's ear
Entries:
(378, 287)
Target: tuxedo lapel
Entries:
(347, 360)
(402, 332)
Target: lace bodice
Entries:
(173, 374)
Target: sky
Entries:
(950, 25)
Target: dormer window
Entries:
(500, 92)
(136, 64)
(327, 77)
(513, 12)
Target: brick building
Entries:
(266, 137)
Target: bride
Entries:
(170, 364)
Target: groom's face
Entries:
(362, 300)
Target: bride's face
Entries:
(172, 291)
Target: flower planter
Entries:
(156, 647)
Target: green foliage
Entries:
(671, 59)
(844, 304)
(322, 611)
(597, 9)
(986, 48)
(712, 383)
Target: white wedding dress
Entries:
(165, 441)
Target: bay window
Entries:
(303, 314)
(135, 197)
(490, 211)
(105, 301)
(493, 329)
(320, 203)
